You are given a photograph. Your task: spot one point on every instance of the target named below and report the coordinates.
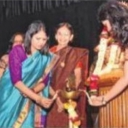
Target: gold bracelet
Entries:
(103, 101)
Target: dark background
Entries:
(16, 15)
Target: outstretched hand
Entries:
(96, 101)
(60, 105)
(47, 102)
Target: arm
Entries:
(78, 73)
(119, 86)
(46, 103)
(52, 92)
(58, 100)
(4, 60)
(15, 64)
(27, 91)
(3, 64)
(1, 71)
(78, 76)
(42, 83)
(38, 87)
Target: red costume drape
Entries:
(70, 58)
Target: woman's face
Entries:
(107, 24)
(63, 36)
(18, 40)
(38, 41)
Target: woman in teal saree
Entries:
(24, 86)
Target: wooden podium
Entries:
(115, 113)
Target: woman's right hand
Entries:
(44, 102)
(97, 101)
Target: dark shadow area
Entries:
(82, 15)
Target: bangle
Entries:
(103, 101)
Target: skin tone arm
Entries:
(3, 64)
(117, 88)
(29, 93)
(58, 101)
(39, 87)
(78, 77)
(54, 94)
(120, 84)
(1, 72)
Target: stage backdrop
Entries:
(15, 16)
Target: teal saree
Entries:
(12, 102)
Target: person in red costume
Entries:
(72, 62)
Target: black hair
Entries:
(34, 28)
(14, 35)
(11, 42)
(117, 14)
(66, 24)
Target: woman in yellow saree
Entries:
(18, 93)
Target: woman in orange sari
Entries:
(72, 62)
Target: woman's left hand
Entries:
(55, 96)
(60, 105)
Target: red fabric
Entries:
(72, 58)
(79, 64)
(94, 82)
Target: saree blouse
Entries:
(16, 56)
